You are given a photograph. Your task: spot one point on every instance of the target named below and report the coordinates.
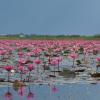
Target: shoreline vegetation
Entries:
(49, 37)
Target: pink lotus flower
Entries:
(21, 61)
(29, 53)
(59, 59)
(37, 61)
(30, 67)
(20, 54)
(98, 59)
(21, 68)
(2, 52)
(54, 62)
(73, 56)
(8, 68)
(37, 51)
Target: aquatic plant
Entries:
(8, 69)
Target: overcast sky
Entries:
(50, 16)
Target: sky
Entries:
(50, 16)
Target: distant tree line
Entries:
(33, 36)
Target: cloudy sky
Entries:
(50, 16)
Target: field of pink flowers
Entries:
(36, 60)
(49, 62)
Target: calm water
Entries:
(70, 91)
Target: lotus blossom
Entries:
(37, 61)
(54, 63)
(2, 52)
(73, 56)
(37, 51)
(30, 68)
(98, 59)
(8, 68)
(21, 61)
(59, 59)
(21, 69)
(20, 54)
(29, 54)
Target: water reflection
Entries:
(52, 92)
(8, 95)
(54, 89)
(30, 95)
(21, 91)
